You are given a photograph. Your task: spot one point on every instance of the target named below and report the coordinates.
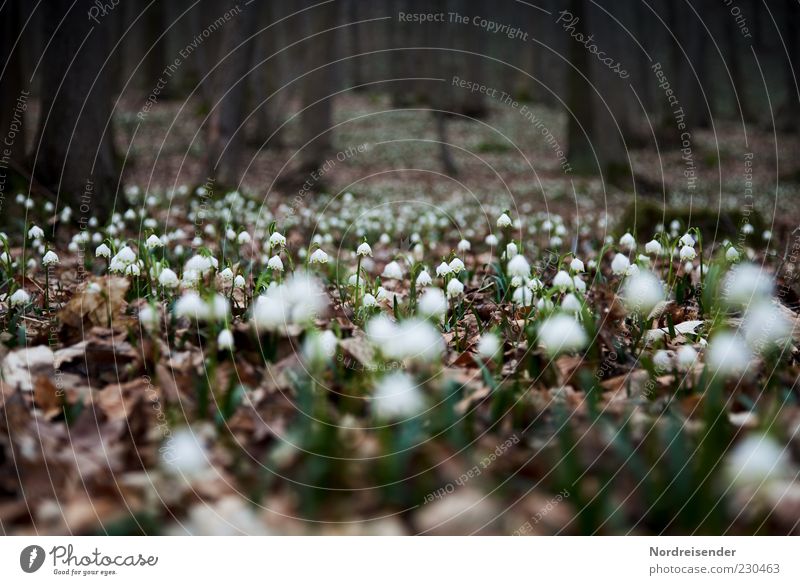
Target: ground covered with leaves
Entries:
(385, 352)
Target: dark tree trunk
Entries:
(267, 79)
(579, 103)
(316, 119)
(14, 96)
(226, 137)
(74, 151)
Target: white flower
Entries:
(765, 326)
(226, 275)
(20, 298)
(503, 221)
(491, 240)
(454, 288)
(463, 246)
(687, 253)
(392, 271)
(148, 317)
(443, 269)
(562, 281)
(687, 356)
(511, 250)
(225, 339)
(488, 345)
(424, 279)
(755, 461)
(370, 301)
(653, 247)
(397, 397)
(433, 303)
(518, 266)
(576, 265)
(153, 242)
(277, 239)
(620, 264)
(183, 454)
(200, 264)
(747, 229)
(318, 257)
(523, 296)
(319, 347)
(364, 250)
(35, 233)
(125, 255)
(578, 283)
(561, 333)
(244, 238)
(747, 283)
(662, 360)
(168, 279)
(218, 308)
(728, 354)
(192, 306)
(239, 281)
(642, 292)
(413, 339)
(270, 313)
(731, 255)
(50, 258)
(571, 304)
(628, 242)
(275, 263)
(102, 251)
(766, 235)
(456, 265)
(687, 240)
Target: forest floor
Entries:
(517, 350)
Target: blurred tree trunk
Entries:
(579, 103)
(13, 101)
(267, 79)
(354, 33)
(74, 148)
(317, 117)
(789, 117)
(226, 137)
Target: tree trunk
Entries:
(14, 97)
(579, 103)
(226, 137)
(267, 79)
(74, 152)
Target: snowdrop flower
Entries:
(269, 313)
(423, 279)
(275, 263)
(662, 360)
(199, 264)
(687, 240)
(755, 461)
(50, 258)
(192, 306)
(148, 317)
(277, 239)
(130, 215)
(443, 269)
(516, 281)
(523, 296)
(225, 340)
(239, 281)
(731, 254)
(518, 266)
(318, 257)
(393, 271)
(653, 247)
(767, 235)
(561, 333)
(488, 345)
(571, 304)
(503, 221)
(456, 265)
(433, 303)
(226, 275)
(463, 246)
(747, 283)
(491, 240)
(642, 292)
(687, 253)
(35, 233)
(535, 284)
(628, 242)
(579, 284)
(728, 354)
(244, 238)
(765, 326)
(102, 251)
(687, 356)
(562, 281)
(620, 264)
(397, 397)
(153, 242)
(454, 288)
(183, 454)
(747, 229)
(168, 279)
(20, 298)
(511, 250)
(370, 301)
(576, 265)
(320, 347)
(364, 250)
